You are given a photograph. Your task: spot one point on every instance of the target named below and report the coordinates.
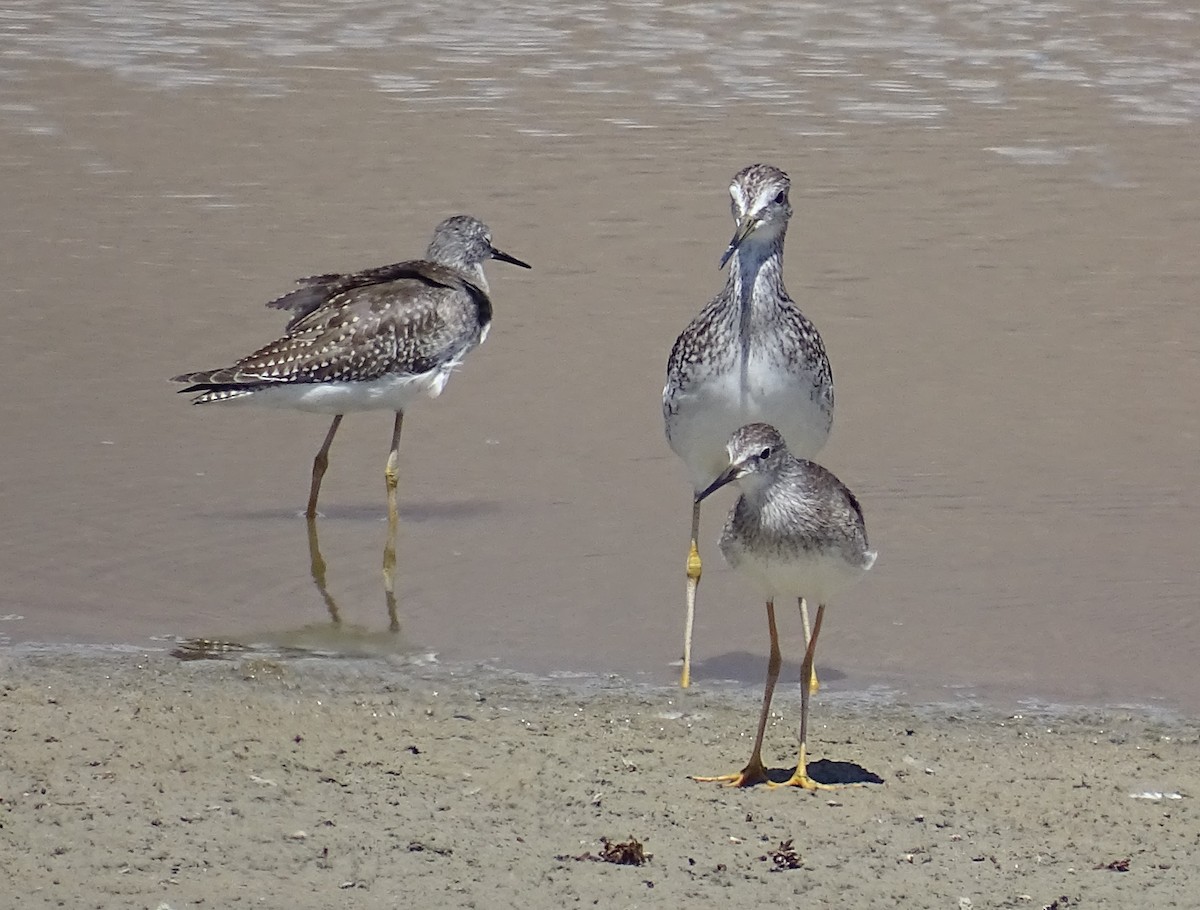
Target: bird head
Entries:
(759, 202)
(755, 448)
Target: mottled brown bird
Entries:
(370, 340)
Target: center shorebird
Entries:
(750, 355)
(796, 531)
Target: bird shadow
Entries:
(827, 771)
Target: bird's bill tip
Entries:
(726, 476)
(511, 260)
(745, 228)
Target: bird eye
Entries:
(765, 454)
(780, 197)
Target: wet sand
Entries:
(139, 780)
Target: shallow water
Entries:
(997, 207)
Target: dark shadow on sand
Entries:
(825, 771)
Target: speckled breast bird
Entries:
(750, 355)
(370, 340)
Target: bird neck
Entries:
(472, 271)
(775, 503)
(756, 273)
(756, 278)
(475, 275)
(453, 256)
(755, 488)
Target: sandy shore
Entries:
(144, 781)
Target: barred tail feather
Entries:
(209, 394)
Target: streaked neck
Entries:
(472, 271)
(756, 280)
(475, 275)
(756, 270)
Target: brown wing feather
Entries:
(317, 290)
(407, 325)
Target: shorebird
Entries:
(750, 355)
(369, 340)
(795, 531)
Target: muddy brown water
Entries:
(997, 216)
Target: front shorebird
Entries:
(750, 355)
(370, 340)
(796, 531)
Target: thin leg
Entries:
(813, 685)
(389, 577)
(800, 776)
(693, 582)
(391, 473)
(320, 463)
(391, 476)
(755, 772)
(316, 567)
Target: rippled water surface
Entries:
(997, 212)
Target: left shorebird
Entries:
(369, 340)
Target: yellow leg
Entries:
(813, 685)
(755, 772)
(320, 463)
(391, 476)
(693, 582)
(391, 473)
(389, 577)
(800, 776)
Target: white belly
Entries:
(816, 576)
(708, 413)
(391, 393)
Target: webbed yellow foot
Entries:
(803, 781)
